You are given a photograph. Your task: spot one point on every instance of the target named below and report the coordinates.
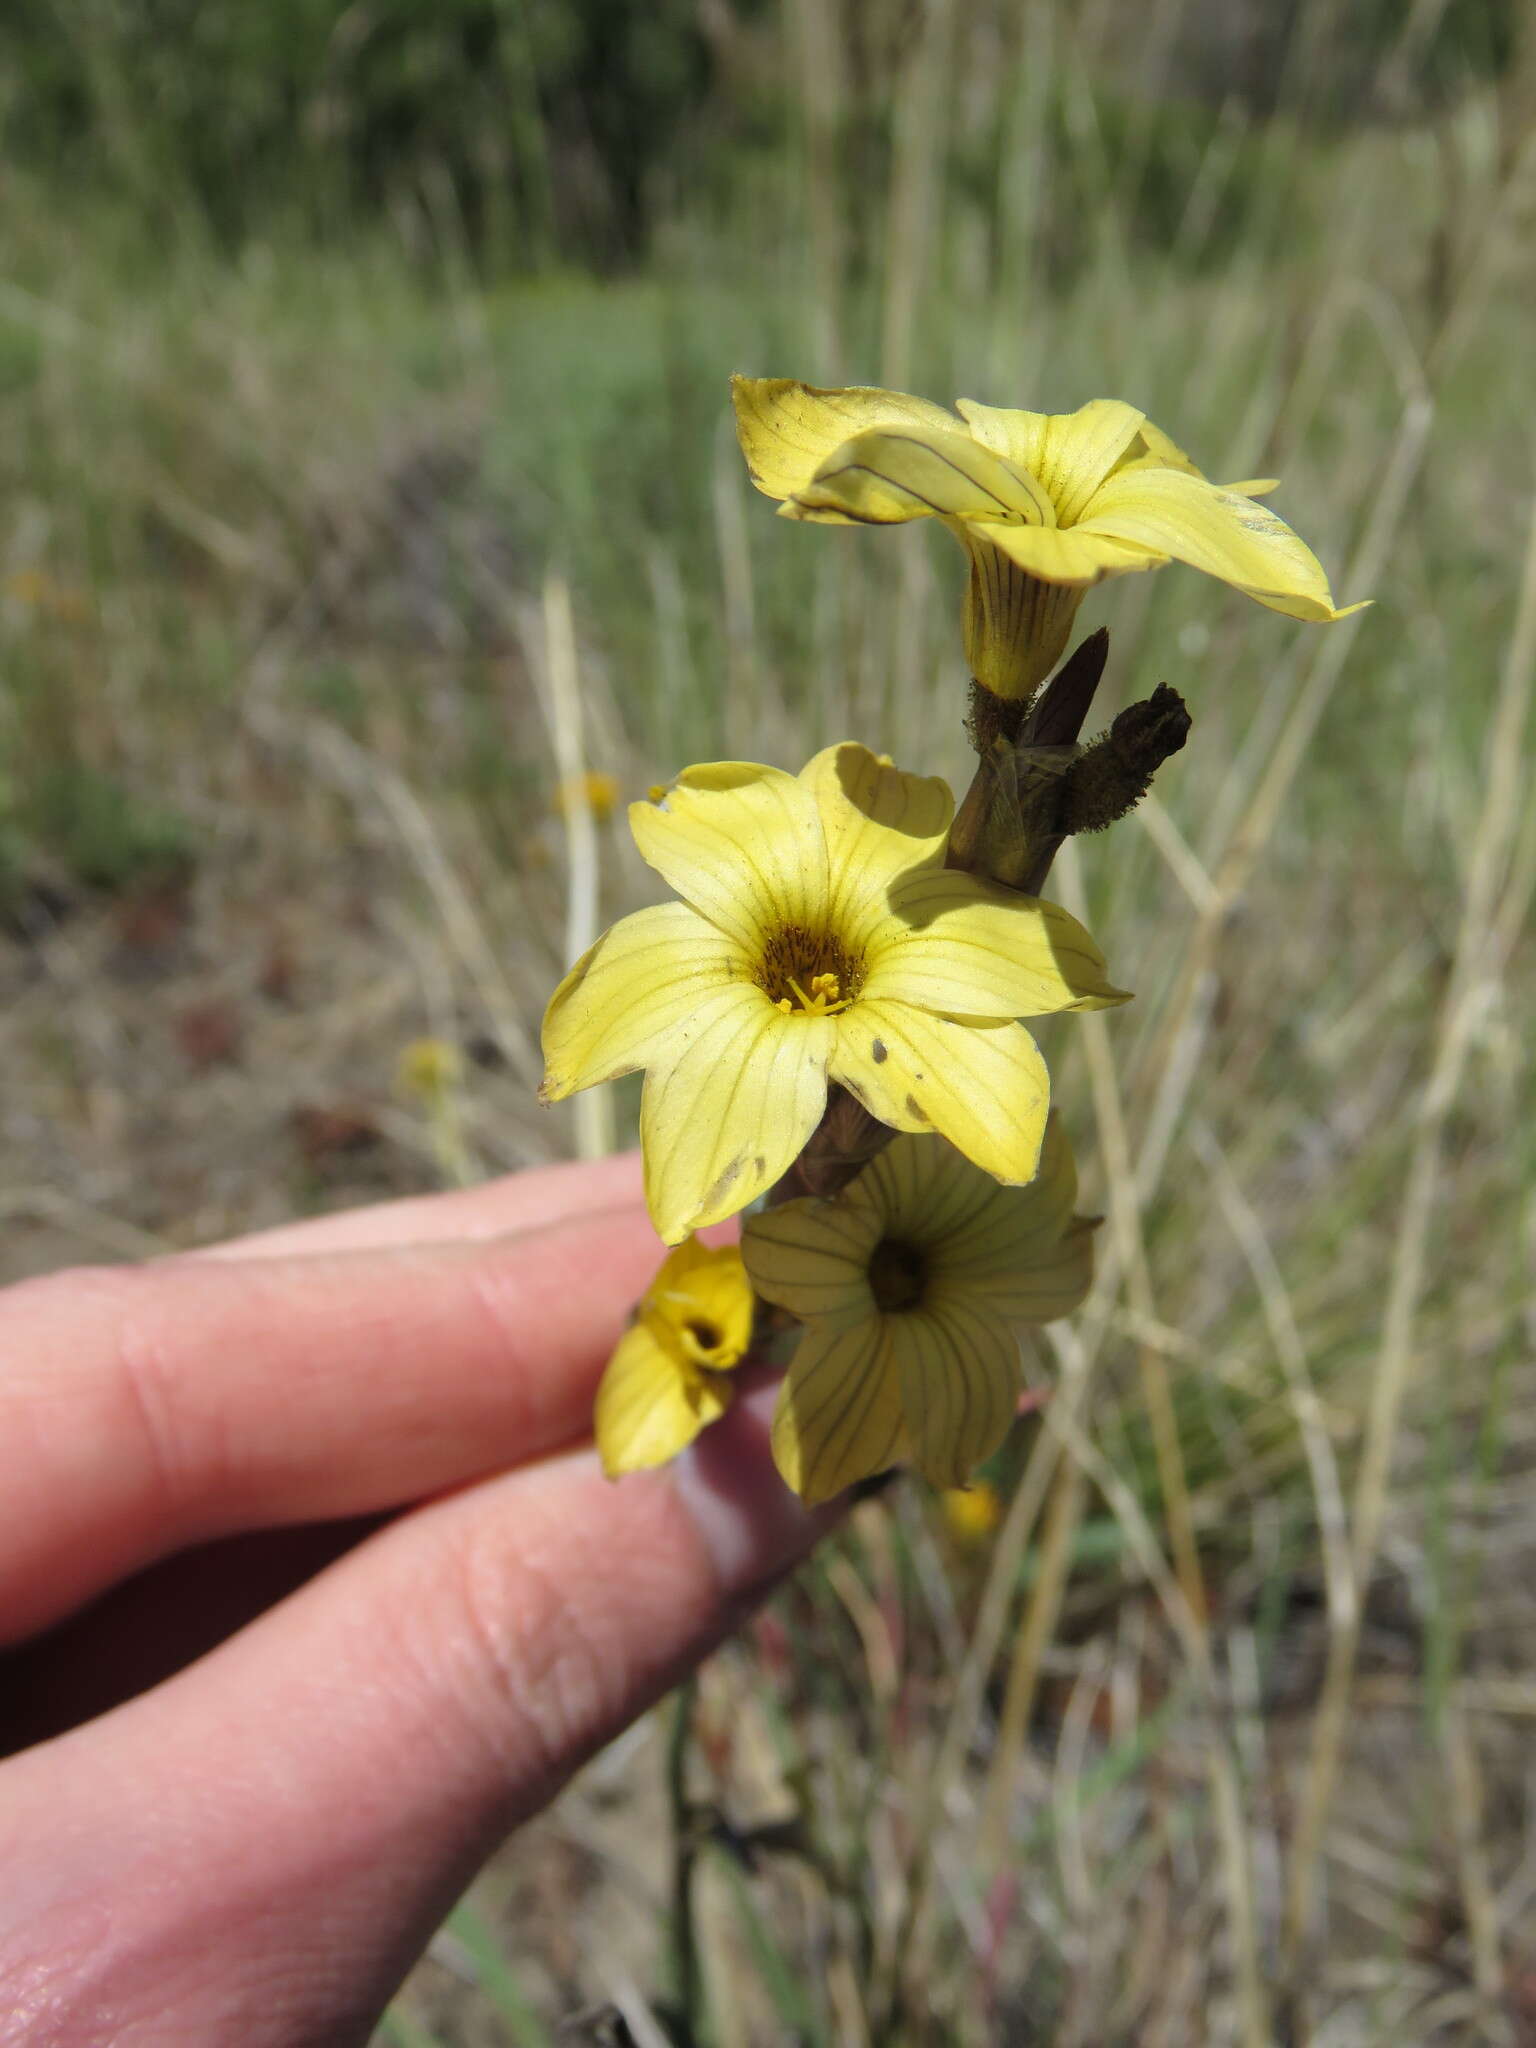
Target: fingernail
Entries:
(754, 1528)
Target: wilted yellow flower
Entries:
(1044, 504)
(667, 1378)
(911, 1284)
(595, 791)
(820, 937)
(973, 1511)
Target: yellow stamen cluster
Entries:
(808, 973)
(825, 999)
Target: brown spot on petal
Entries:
(878, 1053)
(915, 1108)
(722, 1185)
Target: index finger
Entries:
(517, 1201)
(143, 1409)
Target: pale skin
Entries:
(339, 1724)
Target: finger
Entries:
(297, 1811)
(157, 1622)
(519, 1201)
(143, 1409)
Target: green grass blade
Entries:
(525, 2028)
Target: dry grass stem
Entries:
(1472, 981)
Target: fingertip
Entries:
(752, 1527)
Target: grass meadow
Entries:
(331, 550)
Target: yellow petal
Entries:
(1018, 1227)
(884, 477)
(964, 947)
(1159, 451)
(742, 844)
(648, 1408)
(1221, 532)
(878, 822)
(703, 1299)
(1070, 452)
(1003, 1246)
(982, 1086)
(812, 1256)
(787, 429)
(1022, 1285)
(838, 1418)
(721, 1123)
(1073, 555)
(628, 993)
(921, 1191)
(960, 1374)
(1019, 1252)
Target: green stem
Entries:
(687, 1976)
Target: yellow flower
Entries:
(429, 1069)
(973, 1511)
(1044, 504)
(912, 1284)
(820, 938)
(667, 1378)
(595, 791)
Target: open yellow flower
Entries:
(820, 938)
(912, 1284)
(1044, 504)
(668, 1376)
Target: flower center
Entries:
(808, 974)
(898, 1274)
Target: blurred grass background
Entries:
(368, 470)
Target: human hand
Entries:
(325, 1494)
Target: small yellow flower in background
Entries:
(667, 1379)
(430, 1073)
(972, 1512)
(595, 791)
(912, 1284)
(1044, 504)
(37, 591)
(820, 938)
(428, 1069)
